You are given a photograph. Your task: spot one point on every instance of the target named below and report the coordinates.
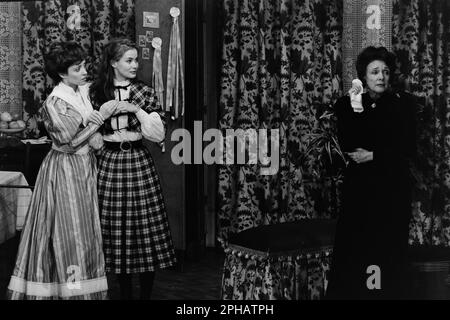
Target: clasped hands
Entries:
(360, 155)
(110, 108)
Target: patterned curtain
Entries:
(92, 23)
(421, 41)
(281, 68)
(10, 58)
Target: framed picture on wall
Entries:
(146, 53)
(142, 40)
(150, 19)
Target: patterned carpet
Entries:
(198, 280)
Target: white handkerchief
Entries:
(356, 95)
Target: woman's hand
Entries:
(96, 141)
(361, 155)
(108, 108)
(125, 107)
(96, 118)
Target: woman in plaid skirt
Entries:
(134, 221)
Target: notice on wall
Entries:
(150, 19)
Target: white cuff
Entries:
(151, 125)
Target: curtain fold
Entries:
(421, 41)
(280, 67)
(96, 22)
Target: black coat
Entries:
(373, 228)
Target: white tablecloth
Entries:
(14, 203)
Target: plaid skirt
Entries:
(135, 227)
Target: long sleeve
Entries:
(151, 125)
(397, 146)
(151, 117)
(150, 104)
(65, 125)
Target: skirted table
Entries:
(15, 197)
(291, 261)
(288, 261)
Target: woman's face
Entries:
(76, 75)
(377, 76)
(126, 67)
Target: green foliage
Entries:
(324, 146)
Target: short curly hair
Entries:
(60, 56)
(370, 54)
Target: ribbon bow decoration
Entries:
(122, 87)
(175, 74)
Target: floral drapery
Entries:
(281, 67)
(90, 22)
(281, 64)
(10, 58)
(421, 41)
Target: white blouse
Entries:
(151, 125)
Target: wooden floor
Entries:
(199, 280)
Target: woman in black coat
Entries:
(379, 139)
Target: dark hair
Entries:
(102, 89)
(60, 56)
(370, 54)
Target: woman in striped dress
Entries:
(134, 221)
(60, 253)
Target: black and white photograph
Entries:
(146, 53)
(149, 36)
(142, 40)
(267, 150)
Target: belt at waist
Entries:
(66, 149)
(123, 146)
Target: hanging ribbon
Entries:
(157, 78)
(175, 75)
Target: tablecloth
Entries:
(14, 202)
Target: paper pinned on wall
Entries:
(150, 19)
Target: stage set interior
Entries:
(245, 64)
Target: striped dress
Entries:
(60, 253)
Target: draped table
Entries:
(15, 198)
(287, 261)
